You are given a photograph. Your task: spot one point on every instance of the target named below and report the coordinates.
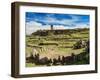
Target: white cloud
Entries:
(59, 27)
(66, 27)
(49, 19)
(82, 25)
(33, 26)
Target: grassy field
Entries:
(52, 46)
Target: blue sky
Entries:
(35, 21)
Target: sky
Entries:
(40, 21)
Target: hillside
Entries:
(54, 43)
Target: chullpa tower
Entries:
(51, 30)
(51, 27)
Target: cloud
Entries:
(33, 26)
(82, 25)
(55, 27)
(50, 19)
